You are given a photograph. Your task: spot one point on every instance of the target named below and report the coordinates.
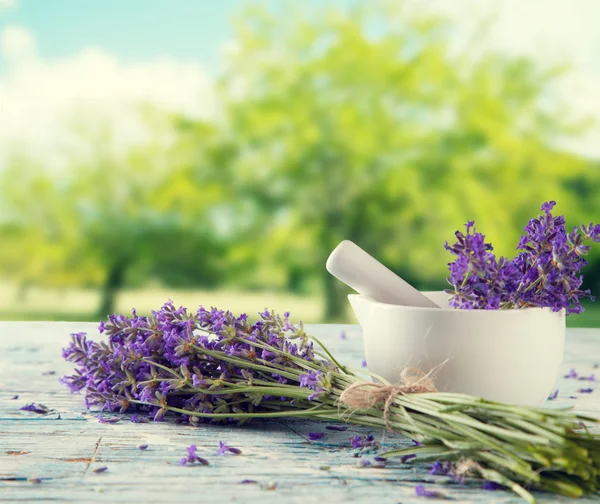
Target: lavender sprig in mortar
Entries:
(545, 273)
(211, 366)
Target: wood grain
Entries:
(63, 447)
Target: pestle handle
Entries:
(357, 269)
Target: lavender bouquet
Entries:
(545, 273)
(210, 366)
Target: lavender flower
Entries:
(339, 428)
(142, 447)
(192, 458)
(572, 374)
(101, 469)
(363, 462)
(441, 468)
(315, 436)
(585, 390)
(553, 396)
(362, 441)
(421, 491)
(36, 408)
(224, 449)
(108, 420)
(591, 378)
(491, 486)
(545, 273)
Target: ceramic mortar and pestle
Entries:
(511, 356)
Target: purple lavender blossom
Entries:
(553, 396)
(315, 436)
(135, 418)
(585, 390)
(142, 447)
(225, 449)
(441, 468)
(572, 374)
(591, 378)
(108, 420)
(545, 273)
(338, 428)
(363, 363)
(192, 458)
(121, 372)
(36, 408)
(101, 469)
(491, 486)
(421, 491)
(362, 441)
(363, 462)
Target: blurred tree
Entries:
(368, 125)
(110, 211)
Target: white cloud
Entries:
(7, 4)
(38, 96)
(549, 31)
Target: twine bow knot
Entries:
(366, 395)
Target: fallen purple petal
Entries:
(314, 436)
(248, 482)
(591, 378)
(363, 363)
(101, 469)
(224, 449)
(108, 420)
(363, 462)
(343, 336)
(142, 447)
(339, 428)
(572, 374)
(491, 486)
(135, 418)
(14, 397)
(36, 408)
(585, 390)
(421, 491)
(553, 396)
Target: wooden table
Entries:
(62, 448)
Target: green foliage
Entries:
(362, 124)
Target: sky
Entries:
(103, 55)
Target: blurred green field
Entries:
(80, 304)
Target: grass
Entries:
(79, 305)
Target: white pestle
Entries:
(367, 276)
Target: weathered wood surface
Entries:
(64, 447)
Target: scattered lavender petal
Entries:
(339, 428)
(314, 436)
(553, 396)
(224, 449)
(491, 486)
(363, 462)
(14, 397)
(101, 469)
(572, 374)
(248, 482)
(585, 390)
(108, 420)
(135, 418)
(421, 491)
(343, 336)
(36, 408)
(363, 363)
(362, 441)
(591, 378)
(142, 447)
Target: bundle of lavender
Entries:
(213, 366)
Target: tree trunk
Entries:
(115, 278)
(335, 299)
